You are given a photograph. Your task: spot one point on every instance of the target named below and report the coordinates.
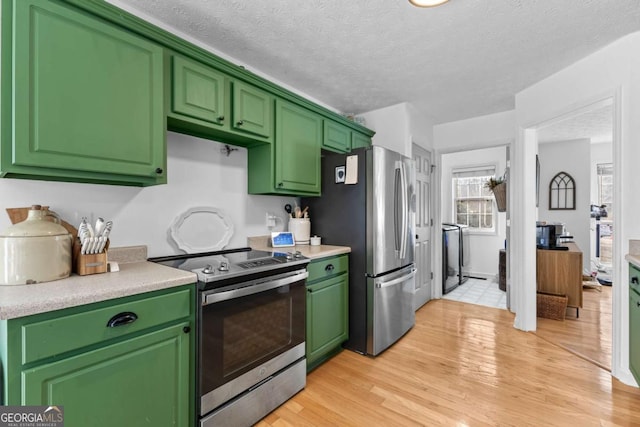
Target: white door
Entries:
(424, 278)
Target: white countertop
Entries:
(261, 243)
(634, 252)
(633, 259)
(132, 279)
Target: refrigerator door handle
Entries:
(396, 281)
(405, 211)
(397, 189)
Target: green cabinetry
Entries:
(207, 103)
(89, 91)
(83, 99)
(634, 321)
(337, 137)
(124, 362)
(292, 164)
(360, 140)
(327, 308)
(342, 139)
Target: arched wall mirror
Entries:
(562, 192)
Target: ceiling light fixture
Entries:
(427, 3)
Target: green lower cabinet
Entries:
(634, 322)
(87, 99)
(125, 362)
(141, 381)
(327, 309)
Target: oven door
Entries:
(248, 334)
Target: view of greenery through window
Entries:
(605, 187)
(473, 201)
(605, 197)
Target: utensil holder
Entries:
(301, 229)
(85, 264)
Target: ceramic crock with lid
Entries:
(34, 250)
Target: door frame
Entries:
(522, 199)
(432, 210)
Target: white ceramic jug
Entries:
(301, 229)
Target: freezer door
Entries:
(390, 308)
(390, 211)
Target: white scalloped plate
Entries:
(201, 229)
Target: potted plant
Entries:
(498, 186)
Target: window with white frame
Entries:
(472, 201)
(605, 187)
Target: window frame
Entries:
(494, 208)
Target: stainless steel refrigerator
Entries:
(368, 203)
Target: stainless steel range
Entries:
(251, 331)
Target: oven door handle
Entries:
(213, 297)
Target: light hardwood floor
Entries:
(587, 336)
(461, 365)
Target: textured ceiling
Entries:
(460, 60)
(595, 125)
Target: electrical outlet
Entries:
(271, 220)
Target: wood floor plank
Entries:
(588, 336)
(462, 365)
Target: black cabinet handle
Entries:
(159, 171)
(240, 123)
(329, 267)
(123, 318)
(221, 118)
(186, 329)
(634, 280)
(637, 303)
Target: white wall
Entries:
(483, 247)
(198, 174)
(613, 71)
(553, 159)
(477, 132)
(392, 127)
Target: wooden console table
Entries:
(560, 272)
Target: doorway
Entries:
(586, 137)
(424, 229)
(468, 204)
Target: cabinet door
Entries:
(298, 141)
(336, 137)
(359, 140)
(141, 381)
(198, 91)
(634, 334)
(252, 110)
(327, 316)
(88, 97)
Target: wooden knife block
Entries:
(85, 264)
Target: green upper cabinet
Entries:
(252, 110)
(87, 98)
(337, 137)
(210, 104)
(292, 164)
(359, 140)
(198, 91)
